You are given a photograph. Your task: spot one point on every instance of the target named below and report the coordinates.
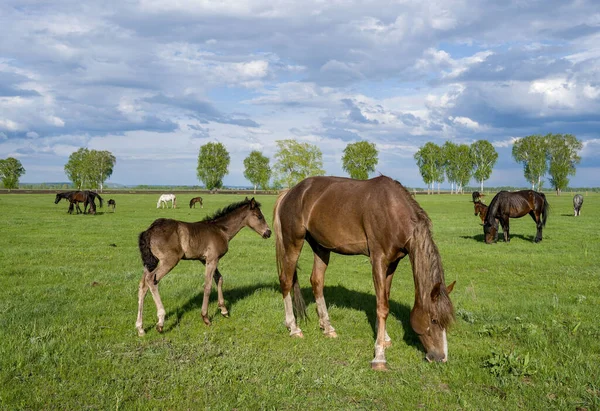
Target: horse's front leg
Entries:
(505, 229)
(219, 281)
(211, 267)
(317, 280)
(379, 279)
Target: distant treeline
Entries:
(145, 187)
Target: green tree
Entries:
(359, 159)
(257, 170)
(101, 167)
(89, 168)
(484, 157)
(463, 166)
(11, 170)
(532, 152)
(77, 168)
(449, 153)
(430, 160)
(213, 165)
(562, 156)
(296, 161)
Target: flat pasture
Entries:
(527, 330)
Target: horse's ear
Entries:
(450, 287)
(435, 292)
(252, 203)
(246, 198)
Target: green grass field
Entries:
(527, 333)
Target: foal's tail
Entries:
(545, 210)
(148, 259)
(297, 299)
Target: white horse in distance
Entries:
(163, 199)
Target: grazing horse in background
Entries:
(167, 241)
(195, 200)
(577, 203)
(506, 205)
(163, 199)
(113, 204)
(480, 210)
(75, 197)
(386, 225)
(477, 196)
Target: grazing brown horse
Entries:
(195, 200)
(386, 225)
(506, 205)
(167, 241)
(480, 210)
(75, 197)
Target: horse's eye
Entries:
(434, 321)
(260, 217)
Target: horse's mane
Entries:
(493, 208)
(425, 258)
(229, 209)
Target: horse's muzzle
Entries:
(267, 234)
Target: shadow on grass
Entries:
(357, 300)
(232, 296)
(334, 295)
(480, 238)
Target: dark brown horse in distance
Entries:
(112, 204)
(506, 205)
(75, 197)
(195, 200)
(167, 241)
(377, 218)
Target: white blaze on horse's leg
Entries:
(290, 320)
(445, 345)
(323, 315)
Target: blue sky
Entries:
(153, 80)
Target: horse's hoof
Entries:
(159, 328)
(141, 333)
(331, 334)
(298, 335)
(379, 366)
(206, 320)
(225, 314)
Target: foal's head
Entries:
(431, 323)
(256, 220)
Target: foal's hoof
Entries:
(206, 320)
(159, 328)
(141, 333)
(225, 314)
(298, 335)
(379, 366)
(331, 334)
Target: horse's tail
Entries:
(545, 210)
(297, 299)
(149, 260)
(428, 271)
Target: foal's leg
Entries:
(317, 280)
(152, 280)
(380, 269)
(142, 290)
(219, 281)
(211, 267)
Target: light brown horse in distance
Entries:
(168, 241)
(377, 218)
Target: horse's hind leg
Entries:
(211, 267)
(152, 280)
(317, 280)
(286, 282)
(143, 289)
(219, 281)
(538, 222)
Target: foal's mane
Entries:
(229, 209)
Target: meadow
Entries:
(526, 334)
